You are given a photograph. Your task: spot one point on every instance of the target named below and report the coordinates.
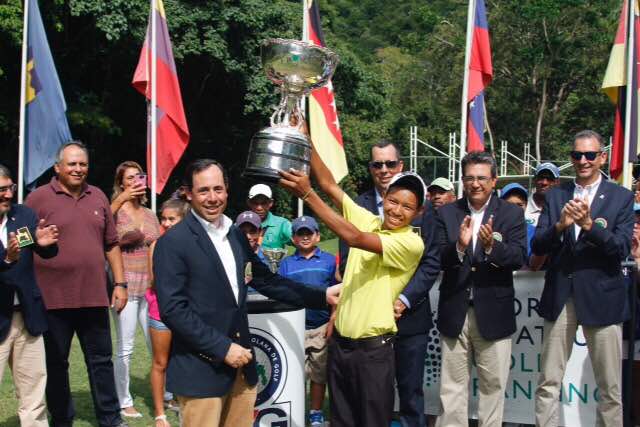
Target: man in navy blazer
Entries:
(585, 230)
(413, 309)
(199, 270)
(482, 242)
(22, 312)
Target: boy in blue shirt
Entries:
(312, 266)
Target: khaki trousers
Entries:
(25, 355)
(232, 410)
(605, 350)
(492, 357)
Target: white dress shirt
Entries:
(218, 233)
(476, 216)
(587, 192)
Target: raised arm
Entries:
(297, 183)
(325, 180)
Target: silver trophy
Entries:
(273, 257)
(297, 68)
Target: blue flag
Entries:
(46, 126)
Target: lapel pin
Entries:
(602, 196)
(600, 222)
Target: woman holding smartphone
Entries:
(137, 228)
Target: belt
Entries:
(367, 343)
(17, 307)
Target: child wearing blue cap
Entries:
(516, 194)
(315, 267)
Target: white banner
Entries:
(579, 393)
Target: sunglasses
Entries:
(589, 155)
(390, 164)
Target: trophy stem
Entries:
(288, 109)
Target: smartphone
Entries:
(141, 179)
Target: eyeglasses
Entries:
(481, 179)
(589, 155)
(390, 164)
(6, 188)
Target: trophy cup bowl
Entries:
(273, 257)
(297, 68)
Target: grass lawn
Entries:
(140, 388)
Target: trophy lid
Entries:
(298, 66)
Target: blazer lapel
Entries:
(599, 200)
(371, 204)
(463, 210)
(568, 195)
(488, 213)
(236, 247)
(12, 227)
(202, 238)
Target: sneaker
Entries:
(130, 412)
(172, 405)
(316, 418)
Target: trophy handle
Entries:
(289, 108)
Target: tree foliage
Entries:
(401, 65)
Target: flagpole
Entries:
(626, 172)
(465, 91)
(23, 102)
(154, 105)
(303, 100)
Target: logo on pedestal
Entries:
(271, 363)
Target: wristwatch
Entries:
(124, 285)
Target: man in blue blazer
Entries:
(482, 242)
(413, 309)
(199, 270)
(585, 230)
(22, 312)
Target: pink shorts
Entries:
(152, 300)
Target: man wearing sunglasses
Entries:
(585, 230)
(412, 308)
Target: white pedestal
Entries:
(278, 340)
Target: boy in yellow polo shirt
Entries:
(384, 255)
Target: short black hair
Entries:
(479, 157)
(198, 166)
(384, 143)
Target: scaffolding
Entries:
(511, 167)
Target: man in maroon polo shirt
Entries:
(74, 285)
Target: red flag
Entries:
(615, 85)
(480, 76)
(172, 129)
(323, 114)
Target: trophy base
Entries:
(262, 174)
(275, 149)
